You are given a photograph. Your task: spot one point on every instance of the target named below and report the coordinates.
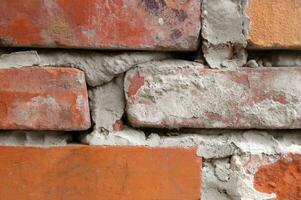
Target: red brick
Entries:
(190, 96)
(275, 24)
(280, 175)
(122, 24)
(43, 99)
(89, 173)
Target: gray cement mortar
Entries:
(211, 144)
(276, 58)
(99, 68)
(34, 138)
(107, 104)
(225, 32)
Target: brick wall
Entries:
(150, 99)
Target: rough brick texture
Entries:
(275, 24)
(179, 94)
(79, 172)
(242, 84)
(123, 24)
(43, 99)
(280, 175)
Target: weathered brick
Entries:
(187, 95)
(123, 24)
(83, 172)
(276, 174)
(275, 24)
(47, 98)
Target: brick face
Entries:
(166, 95)
(43, 99)
(81, 172)
(123, 24)
(275, 24)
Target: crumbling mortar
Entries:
(35, 138)
(274, 58)
(228, 179)
(99, 68)
(222, 48)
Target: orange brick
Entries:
(282, 178)
(90, 173)
(275, 24)
(43, 99)
(122, 24)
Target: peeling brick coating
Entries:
(81, 172)
(43, 99)
(275, 24)
(283, 177)
(123, 24)
(178, 94)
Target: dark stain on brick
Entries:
(154, 6)
(176, 34)
(2, 42)
(180, 14)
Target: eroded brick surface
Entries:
(43, 99)
(186, 95)
(275, 24)
(123, 24)
(81, 172)
(278, 174)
